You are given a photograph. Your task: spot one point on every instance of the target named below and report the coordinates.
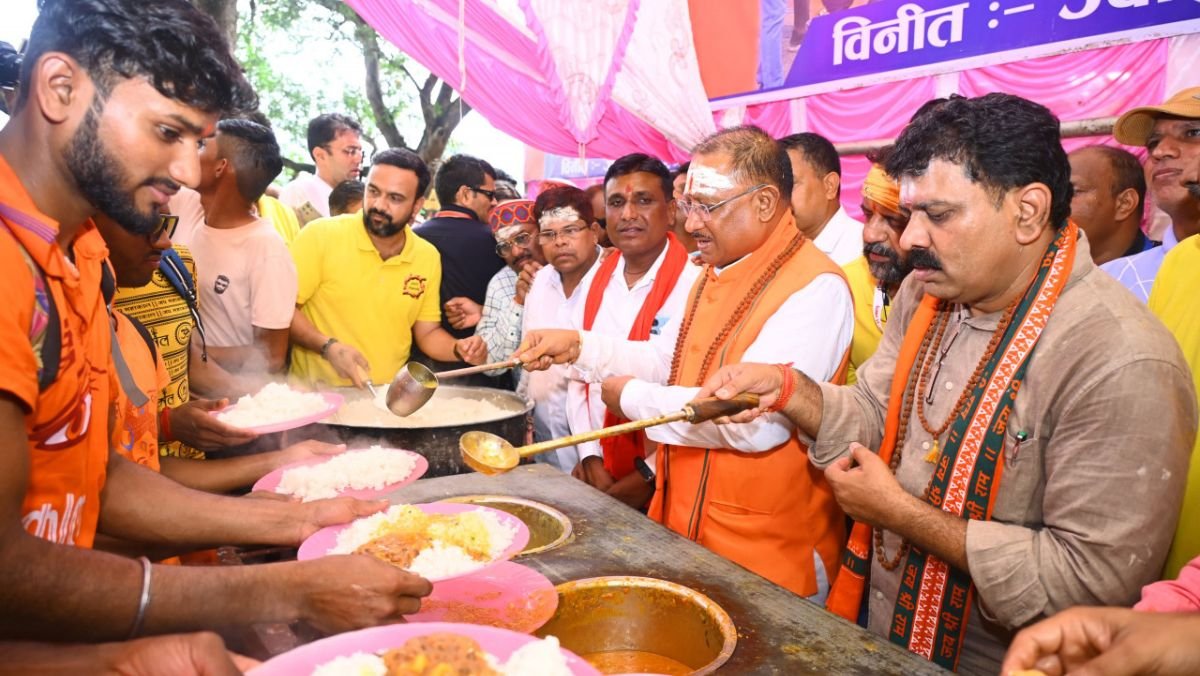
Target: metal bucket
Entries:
(438, 443)
(641, 624)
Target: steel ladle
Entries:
(415, 384)
(490, 454)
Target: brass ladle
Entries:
(490, 454)
(415, 384)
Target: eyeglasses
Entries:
(490, 194)
(704, 211)
(166, 223)
(522, 240)
(547, 237)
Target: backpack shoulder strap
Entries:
(45, 332)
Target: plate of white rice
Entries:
(277, 407)
(507, 653)
(363, 473)
(438, 541)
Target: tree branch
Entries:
(383, 116)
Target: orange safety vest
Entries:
(767, 511)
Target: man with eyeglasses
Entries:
(767, 293)
(517, 243)
(569, 238)
(466, 189)
(335, 144)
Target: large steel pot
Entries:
(438, 443)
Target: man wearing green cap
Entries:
(1170, 133)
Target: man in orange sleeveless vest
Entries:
(765, 293)
(112, 108)
(1033, 420)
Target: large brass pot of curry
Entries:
(641, 625)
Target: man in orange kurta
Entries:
(766, 293)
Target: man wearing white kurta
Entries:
(649, 279)
(816, 197)
(569, 238)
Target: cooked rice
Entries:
(276, 402)
(365, 469)
(441, 410)
(544, 658)
(478, 530)
(358, 664)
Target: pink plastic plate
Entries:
(333, 402)
(506, 595)
(319, 543)
(501, 643)
(270, 481)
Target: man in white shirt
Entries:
(816, 192)
(335, 144)
(569, 238)
(638, 294)
(748, 495)
(249, 288)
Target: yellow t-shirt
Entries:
(160, 308)
(866, 334)
(1173, 300)
(350, 293)
(282, 217)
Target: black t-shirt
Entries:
(469, 259)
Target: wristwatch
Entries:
(644, 469)
(325, 348)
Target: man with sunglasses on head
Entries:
(766, 292)
(466, 189)
(335, 144)
(516, 234)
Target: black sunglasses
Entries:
(490, 194)
(166, 223)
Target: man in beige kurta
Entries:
(1096, 444)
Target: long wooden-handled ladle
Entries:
(415, 384)
(489, 454)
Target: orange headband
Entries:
(881, 189)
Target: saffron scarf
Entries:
(619, 451)
(934, 601)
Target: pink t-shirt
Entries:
(1174, 596)
(247, 278)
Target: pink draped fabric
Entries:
(503, 80)
(582, 66)
(878, 111)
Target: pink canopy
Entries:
(526, 67)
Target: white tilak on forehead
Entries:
(559, 215)
(908, 186)
(707, 180)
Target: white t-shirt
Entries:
(306, 189)
(547, 308)
(249, 280)
(842, 238)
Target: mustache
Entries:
(881, 249)
(924, 258)
(164, 184)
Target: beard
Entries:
(388, 227)
(99, 177)
(893, 271)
